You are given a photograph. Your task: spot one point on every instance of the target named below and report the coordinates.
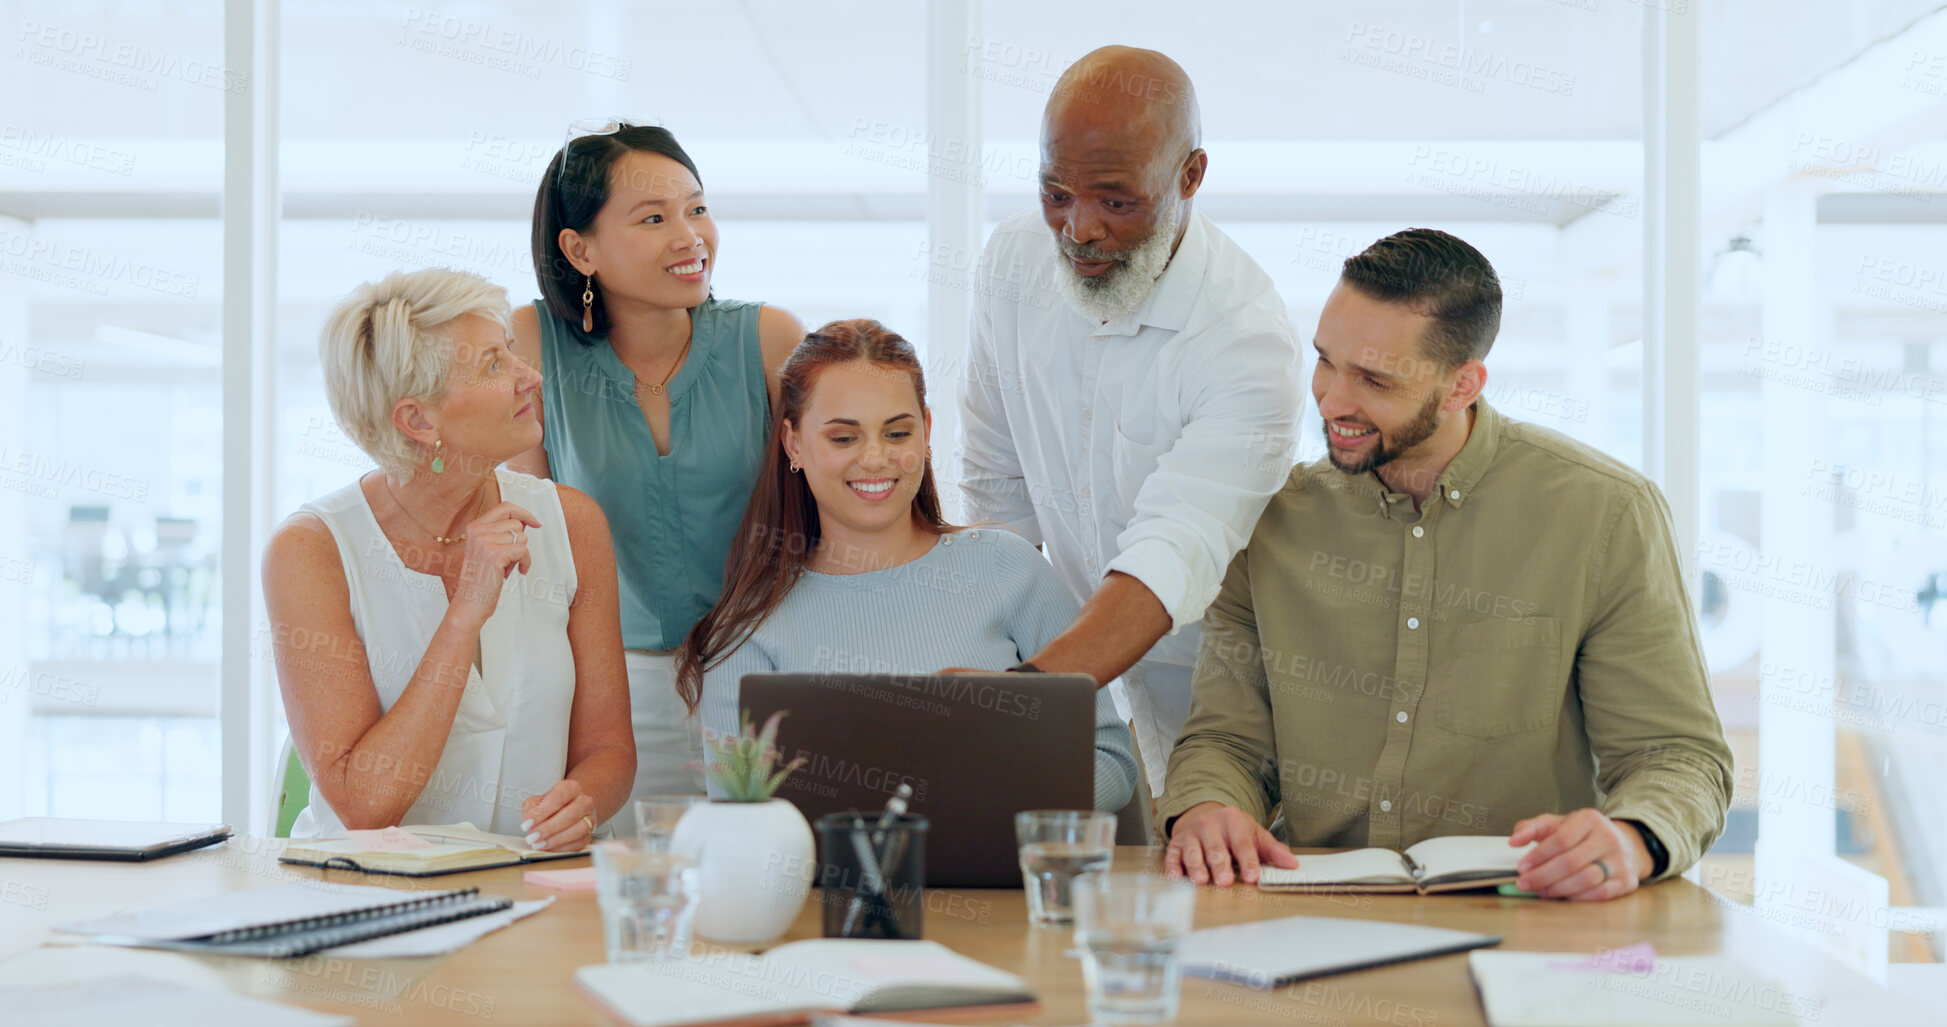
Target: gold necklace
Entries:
(656, 388)
(437, 537)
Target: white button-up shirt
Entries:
(1147, 445)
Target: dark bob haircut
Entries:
(571, 196)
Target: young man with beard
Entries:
(1130, 399)
(1457, 623)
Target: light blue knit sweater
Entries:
(981, 597)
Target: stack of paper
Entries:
(149, 1002)
(1630, 988)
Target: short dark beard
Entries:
(1418, 430)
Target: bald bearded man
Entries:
(1130, 398)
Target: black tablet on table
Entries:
(126, 840)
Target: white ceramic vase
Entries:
(756, 862)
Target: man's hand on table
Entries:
(1583, 856)
(1210, 837)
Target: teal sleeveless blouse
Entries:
(672, 517)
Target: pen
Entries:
(868, 873)
(892, 850)
(875, 860)
(895, 808)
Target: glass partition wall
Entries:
(839, 143)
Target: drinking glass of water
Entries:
(656, 817)
(1057, 845)
(1129, 928)
(648, 900)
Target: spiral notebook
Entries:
(285, 920)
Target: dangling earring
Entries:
(439, 462)
(588, 305)
(794, 467)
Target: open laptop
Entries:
(977, 748)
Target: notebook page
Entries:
(1466, 853)
(861, 968)
(353, 848)
(1359, 866)
(1543, 989)
(465, 832)
(387, 839)
(254, 907)
(697, 990)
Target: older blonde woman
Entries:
(447, 635)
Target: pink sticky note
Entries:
(1637, 958)
(389, 839)
(578, 879)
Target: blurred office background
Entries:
(1778, 360)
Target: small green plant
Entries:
(741, 766)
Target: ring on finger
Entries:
(513, 536)
(1605, 870)
(591, 822)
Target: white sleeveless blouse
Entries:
(509, 738)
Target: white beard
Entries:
(1122, 288)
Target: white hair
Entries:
(388, 341)
(1122, 288)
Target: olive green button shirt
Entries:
(1522, 644)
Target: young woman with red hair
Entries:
(844, 563)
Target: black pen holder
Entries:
(872, 882)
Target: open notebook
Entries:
(1452, 863)
(419, 851)
(285, 920)
(796, 980)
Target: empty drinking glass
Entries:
(1057, 845)
(648, 900)
(656, 817)
(1129, 928)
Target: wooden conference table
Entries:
(523, 974)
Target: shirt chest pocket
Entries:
(1131, 462)
(1500, 678)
